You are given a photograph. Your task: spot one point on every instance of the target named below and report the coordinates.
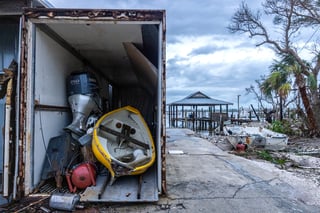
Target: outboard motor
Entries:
(83, 97)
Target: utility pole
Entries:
(238, 107)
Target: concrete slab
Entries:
(207, 179)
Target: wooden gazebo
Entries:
(198, 112)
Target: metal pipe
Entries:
(7, 141)
(21, 121)
(159, 110)
(238, 107)
(45, 107)
(28, 153)
(17, 116)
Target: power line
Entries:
(310, 38)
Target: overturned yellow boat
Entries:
(123, 143)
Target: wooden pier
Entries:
(198, 112)
(199, 123)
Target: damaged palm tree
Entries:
(290, 19)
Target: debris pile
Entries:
(301, 156)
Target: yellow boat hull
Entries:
(122, 142)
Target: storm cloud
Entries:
(201, 54)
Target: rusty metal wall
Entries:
(9, 38)
(8, 51)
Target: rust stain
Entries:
(22, 104)
(96, 13)
(136, 15)
(163, 116)
(248, 140)
(51, 14)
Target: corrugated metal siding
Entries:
(9, 38)
(10, 7)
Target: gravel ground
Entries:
(302, 156)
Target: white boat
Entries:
(256, 137)
(123, 143)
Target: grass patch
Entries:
(263, 155)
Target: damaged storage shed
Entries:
(125, 51)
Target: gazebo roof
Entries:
(200, 99)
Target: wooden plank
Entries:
(145, 71)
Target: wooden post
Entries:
(183, 118)
(210, 124)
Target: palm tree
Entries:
(278, 83)
(307, 84)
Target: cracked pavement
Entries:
(203, 178)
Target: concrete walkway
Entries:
(203, 178)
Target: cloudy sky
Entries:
(201, 54)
